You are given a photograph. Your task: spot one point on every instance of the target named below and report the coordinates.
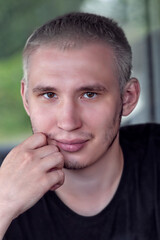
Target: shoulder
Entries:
(141, 149)
(140, 133)
(141, 143)
(141, 146)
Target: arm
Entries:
(27, 173)
(5, 220)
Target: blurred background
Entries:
(140, 20)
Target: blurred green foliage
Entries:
(18, 19)
(13, 119)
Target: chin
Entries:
(74, 165)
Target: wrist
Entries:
(6, 217)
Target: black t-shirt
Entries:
(132, 214)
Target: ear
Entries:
(130, 96)
(24, 96)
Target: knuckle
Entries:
(59, 157)
(41, 137)
(28, 156)
(59, 176)
(54, 177)
(53, 148)
(59, 160)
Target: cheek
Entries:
(104, 121)
(42, 119)
(101, 115)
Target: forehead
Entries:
(86, 63)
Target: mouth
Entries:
(71, 146)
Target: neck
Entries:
(98, 181)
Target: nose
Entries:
(68, 116)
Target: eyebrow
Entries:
(40, 89)
(87, 88)
(93, 88)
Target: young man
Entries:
(74, 178)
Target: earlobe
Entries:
(24, 96)
(130, 96)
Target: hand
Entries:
(28, 172)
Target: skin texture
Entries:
(27, 173)
(71, 114)
(73, 97)
(75, 106)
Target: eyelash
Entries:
(53, 95)
(92, 93)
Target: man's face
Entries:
(73, 97)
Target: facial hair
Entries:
(109, 139)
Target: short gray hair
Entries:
(74, 29)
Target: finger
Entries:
(54, 179)
(53, 188)
(46, 150)
(52, 162)
(35, 141)
(60, 182)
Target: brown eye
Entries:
(90, 95)
(49, 95)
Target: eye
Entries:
(49, 95)
(90, 95)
